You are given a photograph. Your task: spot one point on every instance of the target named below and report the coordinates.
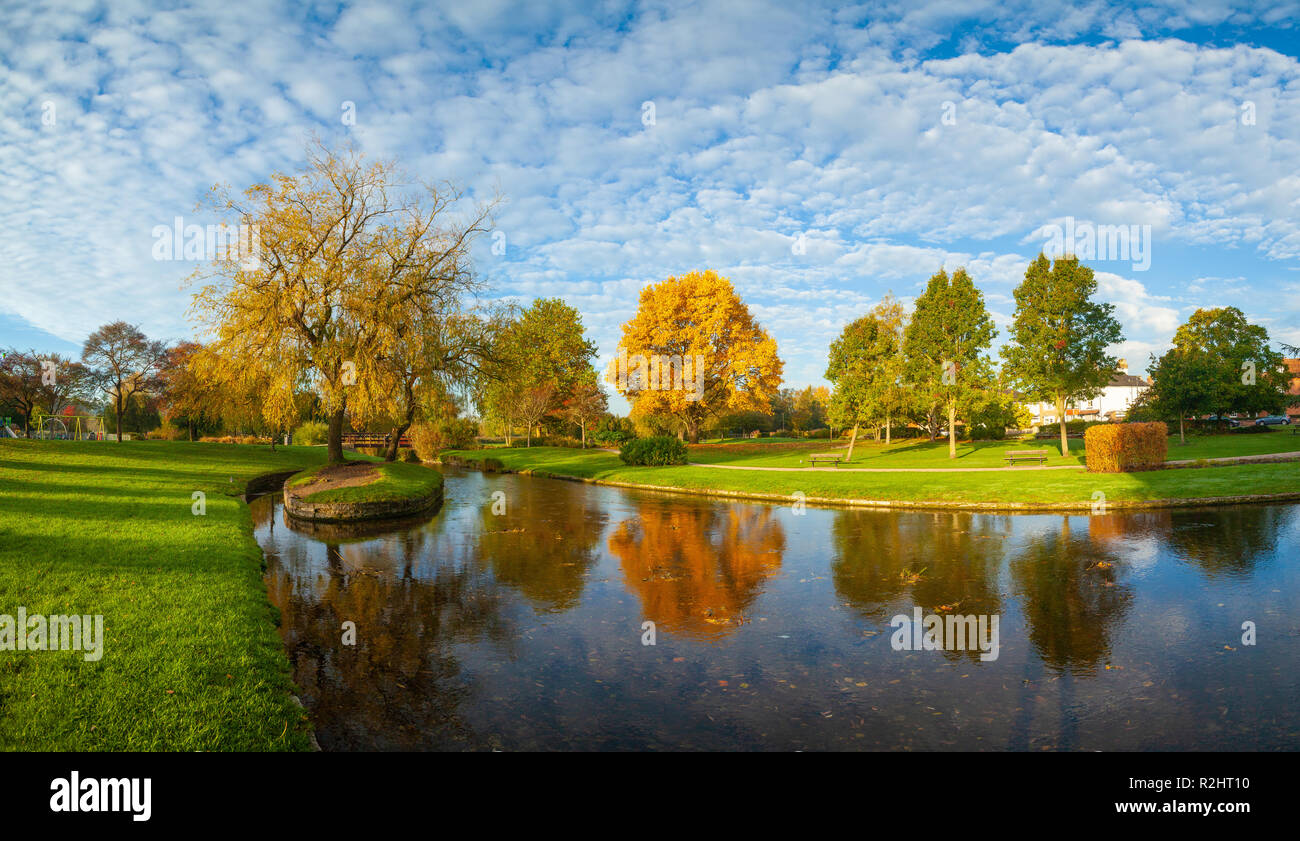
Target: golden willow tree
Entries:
(694, 351)
(352, 262)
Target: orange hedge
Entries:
(1124, 447)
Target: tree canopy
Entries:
(944, 345)
(1059, 336)
(704, 352)
(352, 261)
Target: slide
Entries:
(10, 432)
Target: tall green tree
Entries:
(1182, 385)
(945, 342)
(537, 361)
(1060, 335)
(867, 367)
(1245, 374)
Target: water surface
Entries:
(523, 630)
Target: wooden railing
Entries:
(371, 439)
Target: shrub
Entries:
(425, 441)
(234, 439)
(408, 455)
(1250, 430)
(311, 433)
(1125, 447)
(612, 431)
(660, 450)
(988, 433)
(428, 439)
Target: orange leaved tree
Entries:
(694, 351)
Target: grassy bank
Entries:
(191, 658)
(1022, 485)
(920, 454)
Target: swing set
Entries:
(66, 428)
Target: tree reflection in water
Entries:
(399, 687)
(521, 629)
(697, 569)
(944, 563)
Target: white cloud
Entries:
(769, 122)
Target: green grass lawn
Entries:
(909, 454)
(922, 454)
(1019, 485)
(192, 660)
(393, 482)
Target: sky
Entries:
(820, 156)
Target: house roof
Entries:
(1121, 379)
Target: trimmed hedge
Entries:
(660, 450)
(1126, 447)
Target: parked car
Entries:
(1273, 420)
(1229, 421)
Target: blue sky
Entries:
(895, 137)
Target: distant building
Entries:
(1111, 404)
(1293, 368)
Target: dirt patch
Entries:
(349, 475)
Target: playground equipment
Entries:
(71, 428)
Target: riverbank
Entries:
(154, 537)
(1014, 489)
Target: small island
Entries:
(362, 490)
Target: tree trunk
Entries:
(888, 430)
(583, 426)
(334, 438)
(395, 440)
(1181, 438)
(1060, 408)
(530, 436)
(853, 438)
(952, 430)
(117, 401)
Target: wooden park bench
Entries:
(833, 458)
(1014, 456)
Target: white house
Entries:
(1111, 404)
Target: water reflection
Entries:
(545, 551)
(1073, 597)
(698, 570)
(521, 628)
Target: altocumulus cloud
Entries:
(883, 141)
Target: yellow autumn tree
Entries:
(694, 351)
(351, 260)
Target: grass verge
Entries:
(191, 658)
(1018, 486)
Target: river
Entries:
(515, 619)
